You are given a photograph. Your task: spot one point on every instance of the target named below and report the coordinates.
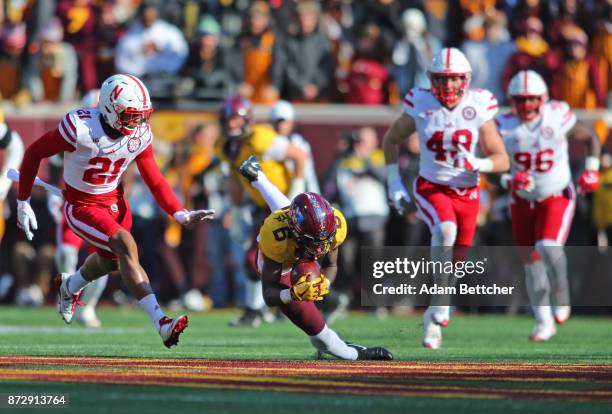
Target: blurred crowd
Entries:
(361, 52)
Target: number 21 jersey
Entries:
(443, 131)
(98, 161)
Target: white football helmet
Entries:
(449, 62)
(125, 103)
(282, 111)
(527, 92)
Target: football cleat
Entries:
(171, 329)
(250, 169)
(67, 302)
(375, 353)
(543, 332)
(562, 314)
(250, 318)
(432, 332)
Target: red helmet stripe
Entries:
(142, 90)
(525, 77)
(448, 56)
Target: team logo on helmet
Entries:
(133, 144)
(468, 113)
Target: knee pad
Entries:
(66, 258)
(444, 234)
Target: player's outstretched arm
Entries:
(49, 144)
(493, 147)
(402, 128)
(163, 193)
(589, 180)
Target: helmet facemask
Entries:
(130, 120)
(449, 88)
(527, 107)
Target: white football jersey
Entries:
(98, 161)
(442, 131)
(541, 149)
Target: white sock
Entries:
(329, 342)
(76, 283)
(253, 298)
(275, 199)
(152, 308)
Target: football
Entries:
(303, 267)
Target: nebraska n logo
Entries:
(116, 92)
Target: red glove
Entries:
(523, 181)
(588, 181)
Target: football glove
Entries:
(396, 191)
(307, 290)
(523, 182)
(26, 219)
(188, 217)
(471, 162)
(588, 181)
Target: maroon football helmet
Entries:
(236, 117)
(313, 223)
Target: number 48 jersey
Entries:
(97, 162)
(541, 149)
(443, 131)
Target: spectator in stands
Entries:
(461, 10)
(413, 53)
(489, 56)
(110, 28)
(359, 170)
(302, 62)
(79, 18)
(151, 46)
(533, 53)
(256, 46)
(212, 70)
(282, 118)
(58, 67)
(525, 9)
(384, 13)
(578, 76)
(602, 199)
(570, 13)
(602, 50)
(368, 80)
(12, 42)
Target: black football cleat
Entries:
(376, 353)
(250, 169)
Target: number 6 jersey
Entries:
(540, 148)
(96, 164)
(442, 131)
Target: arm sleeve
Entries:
(408, 103)
(46, 146)
(159, 187)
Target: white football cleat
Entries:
(170, 329)
(432, 332)
(67, 301)
(543, 332)
(562, 314)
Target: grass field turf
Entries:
(486, 365)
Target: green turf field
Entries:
(486, 365)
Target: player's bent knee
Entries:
(549, 249)
(123, 244)
(444, 234)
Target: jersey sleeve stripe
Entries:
(492, 107)
(408, 102)
(410, 93)
(65, 134)
(69, 123)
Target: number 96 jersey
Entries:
(541, 149)
(97, 162)
(443, 131)
(277, 243)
